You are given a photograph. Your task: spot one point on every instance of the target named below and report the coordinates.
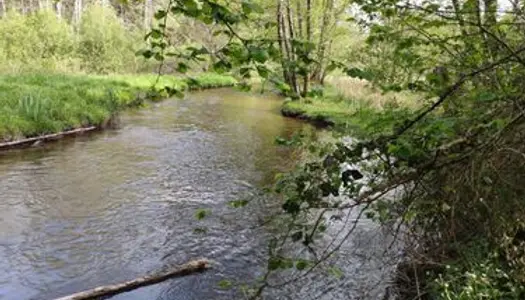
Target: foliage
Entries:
(105, 45)
(478, 275)
(36, 41)
(41, 41)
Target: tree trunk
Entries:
(298, 8)
(112, 290)
(293, 53)
(306, 83)
(58, 9)
(23, 8)
(77, 12)
(3, 10)
(328, 6)
(286, 49)
(148, 13)
(491, 7)
(280, 38)
(459, 16)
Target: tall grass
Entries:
(32, 104)
(353, 105)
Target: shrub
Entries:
(104, 43)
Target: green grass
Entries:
(32, 105)
(361, 117)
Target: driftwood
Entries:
(42, 138)
(189, 268)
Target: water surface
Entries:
(107, 207)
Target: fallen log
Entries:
(195, 266)
(42, 138)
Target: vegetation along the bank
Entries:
(33, 105)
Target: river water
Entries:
(111, 206)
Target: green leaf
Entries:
(200, 230)
(336, 272)
(358, 73)
(301, 264)
(274, 263)
(201, 214)
(182, 67)
(146, 53)
(156, 34)
(248, 7)
(263, 71)
(297, 236)
(160, 14)
(238, 203)
(192, 5)
(158, 56)
(222, 66)
(225, 284)
(259, 55)
(487, 96)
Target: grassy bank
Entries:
(32, 105)
(350, 105)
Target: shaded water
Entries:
(111, 206)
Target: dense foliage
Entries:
(41, 41)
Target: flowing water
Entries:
(111, 206)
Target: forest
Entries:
(429, 91)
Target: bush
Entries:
(42, 42)
(105, 46)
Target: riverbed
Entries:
(111, 206)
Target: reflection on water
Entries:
(111, 206)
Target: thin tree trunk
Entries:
(459, 17)
(77, 12)
(328, 6)
(4, 9)
(299, 19)
(58, 9)
(293, 54)
(280, 38)
(286, 48)
(148, 11)
(491, 7)
(306, 82)
(23, 9)
(43, 4)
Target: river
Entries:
(111, 206)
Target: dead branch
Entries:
(195, 266)
(43, 138)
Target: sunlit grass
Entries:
(353, 105)
(38, 104)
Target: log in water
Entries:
(189, 268)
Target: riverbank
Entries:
(39, 104)
(351, 106)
